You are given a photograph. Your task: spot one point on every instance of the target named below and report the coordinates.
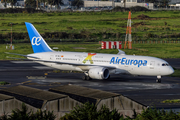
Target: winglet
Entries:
(37, 42)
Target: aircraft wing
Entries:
(57, 62)
(74, 64)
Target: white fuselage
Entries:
(117, 64)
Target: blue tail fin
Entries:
(37, 42)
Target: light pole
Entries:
(98, 4)
(11, 36)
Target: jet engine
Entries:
(99, 73)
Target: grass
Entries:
(171, 101)
(3, 83)
(176, 73)
(96, 22)
(170, 50)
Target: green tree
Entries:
(164, 3)
(30, 3)
(155, 114)
(43, 115)
(51, 2)
(4, 117)
(5, 3)
(13, 2)
(89, 112)
(77, 3)
(25, 114)
(22, 114)
(43, 1)
(57, 2)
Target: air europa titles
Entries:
(125, 61)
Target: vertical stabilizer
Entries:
(37, 42)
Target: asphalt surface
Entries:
(142, 89)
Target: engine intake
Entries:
(99, 73)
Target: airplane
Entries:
(95, 65)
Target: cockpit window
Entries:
(165, 64)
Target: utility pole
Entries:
(37, 4)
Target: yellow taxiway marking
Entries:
(2, 87)
(26, 82)
(45, 73)
(36, 77)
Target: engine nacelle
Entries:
(99, 73)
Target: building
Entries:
(119, 102)
(63, 99)
(129, 3)
(35, 99)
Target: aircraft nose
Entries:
(171, 70)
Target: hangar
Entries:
(119, 102)
(62, 99)
(36, 99)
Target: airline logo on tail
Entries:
(36, 41)
(89, 57)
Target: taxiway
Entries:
(142, 89)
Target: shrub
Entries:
(155, 114)
(89, 112)
(20, 10)
(24, 114)
(138, 8)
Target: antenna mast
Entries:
(128, 33)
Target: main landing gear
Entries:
(86, 76)
(158, 80)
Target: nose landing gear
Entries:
(158, 80)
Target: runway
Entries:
(142, 89)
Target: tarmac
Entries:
(142, 89)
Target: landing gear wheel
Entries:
(158, 80)
(108, 77)
(86, 77)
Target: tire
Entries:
(158, 80)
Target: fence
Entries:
(153, 42)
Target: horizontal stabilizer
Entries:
(17, 58)
(121, 52)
